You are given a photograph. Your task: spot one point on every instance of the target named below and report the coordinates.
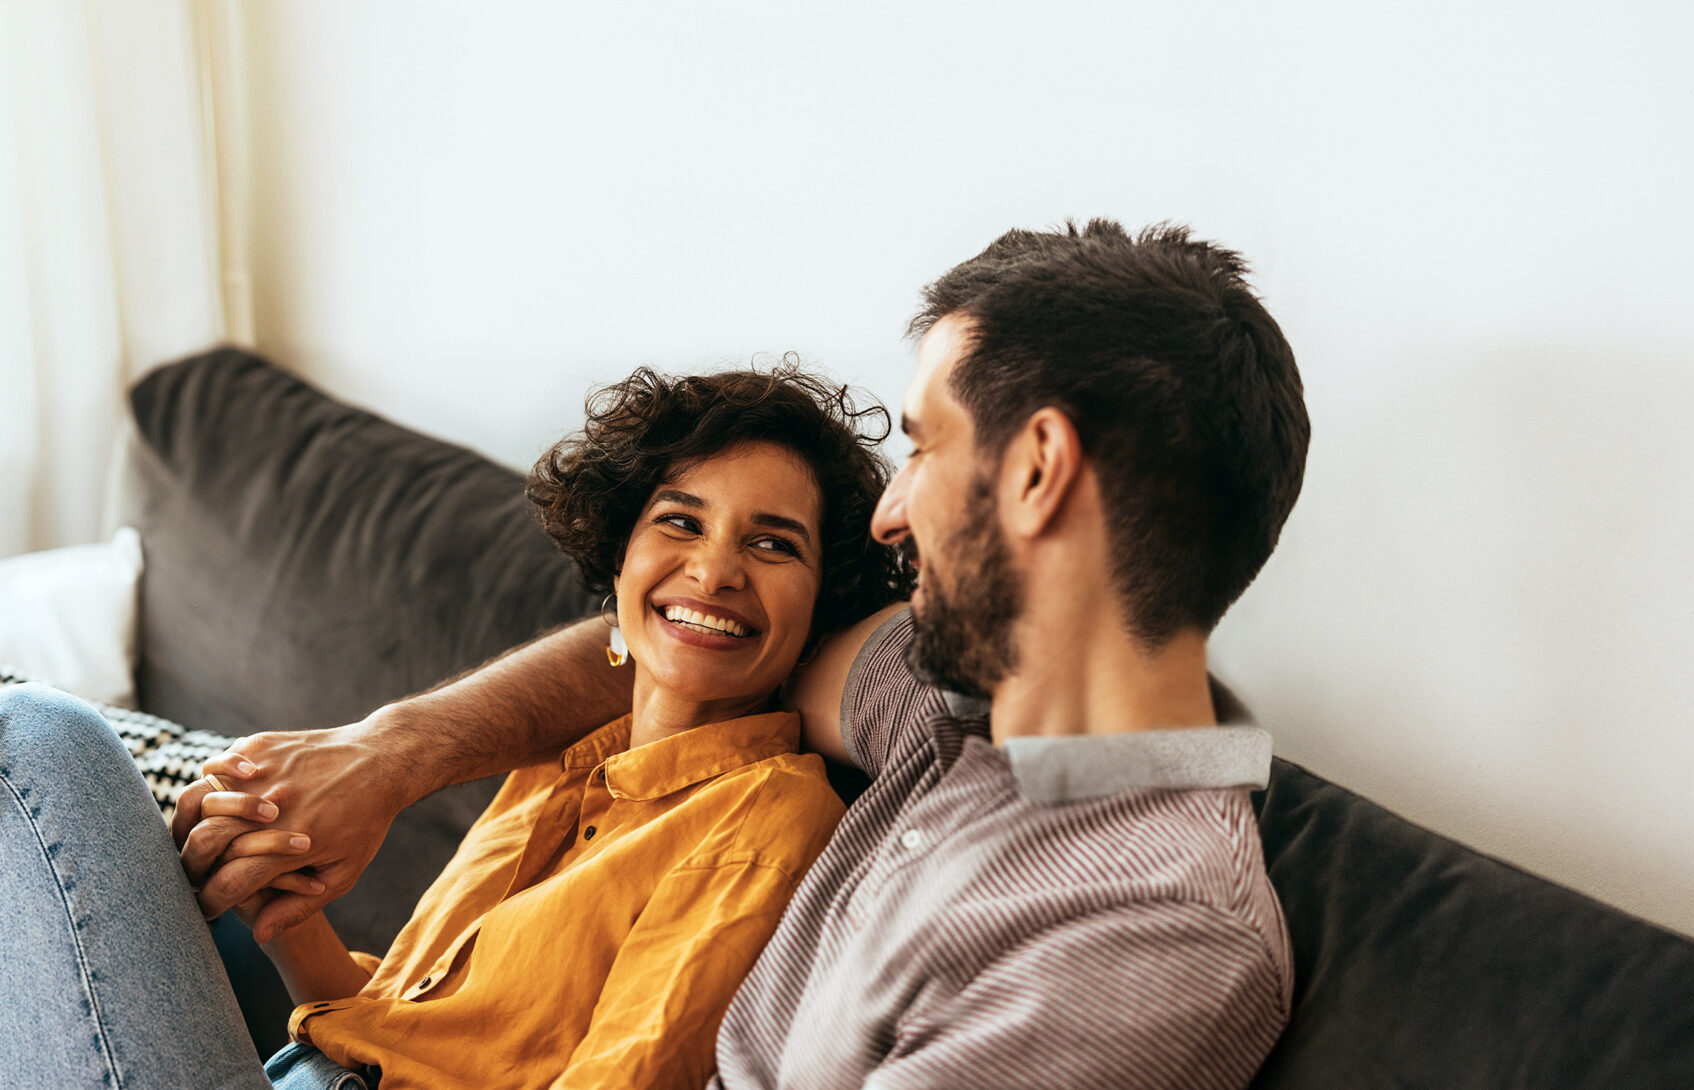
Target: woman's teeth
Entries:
(696, 619)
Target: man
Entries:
(1055, 877)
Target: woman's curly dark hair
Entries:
(589, 489)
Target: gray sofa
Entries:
(307, 561)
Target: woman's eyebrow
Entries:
(673, 495)
(782, 522)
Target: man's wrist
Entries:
(404, 747)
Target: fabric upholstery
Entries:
(1422, 964)
(289, 533)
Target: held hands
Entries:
(339, 790)
(233, 825)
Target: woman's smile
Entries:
(706, 625)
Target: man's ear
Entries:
(1043, 463)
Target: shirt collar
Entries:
(670, 764)
(1084, 767)
(1234, 754)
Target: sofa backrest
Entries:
(1420, 963)
(306, 562)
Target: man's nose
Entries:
(888, 524)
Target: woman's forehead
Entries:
(757, 471)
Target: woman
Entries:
(598, 917)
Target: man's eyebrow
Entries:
(783, 522)
(676, 495)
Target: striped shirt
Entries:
(1084, 912)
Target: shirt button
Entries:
(588, 833)
(911, 838)
(424, 983)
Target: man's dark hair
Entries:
(589, 489)
(1180, 384)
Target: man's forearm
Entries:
(341, 787)
(521, 708)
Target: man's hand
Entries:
(340, 790)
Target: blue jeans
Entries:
(108, 976)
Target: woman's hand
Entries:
(293, 881)
(211, 820)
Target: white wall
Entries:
(1471, 219)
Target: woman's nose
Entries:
(717, 567)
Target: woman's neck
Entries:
(657, 713)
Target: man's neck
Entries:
(1081, 673)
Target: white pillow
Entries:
(67, 617)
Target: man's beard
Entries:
(963, 639)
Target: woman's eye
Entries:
(778, 545)
(686, 523)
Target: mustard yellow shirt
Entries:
(598, 917)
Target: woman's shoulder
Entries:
(782, 783)
(778, 810)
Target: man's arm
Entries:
(342, 787)
(817, 687)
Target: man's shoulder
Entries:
(1197, 846)
(1139, 860)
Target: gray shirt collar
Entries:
(1084, 767)
(1235, 754)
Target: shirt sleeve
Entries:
(882, 698)
(656, 1024)
(1143, 997)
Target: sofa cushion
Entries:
(67, 617)
(1421, 963)
(309, 561)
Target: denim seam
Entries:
(101, 1033)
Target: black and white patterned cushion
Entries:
(169, 755)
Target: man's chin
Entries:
(935, 659)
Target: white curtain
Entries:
(108, 239)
